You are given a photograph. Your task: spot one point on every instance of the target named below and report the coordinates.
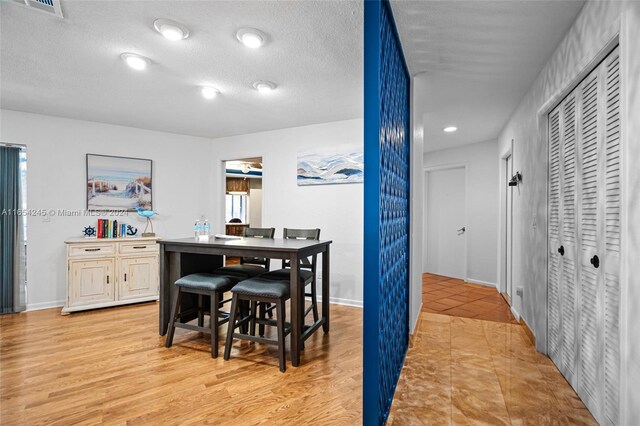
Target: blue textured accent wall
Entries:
(386, 218)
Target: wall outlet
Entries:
(520, 291)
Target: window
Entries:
(236, 208)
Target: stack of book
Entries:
(108, 228)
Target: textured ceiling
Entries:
(476, 60)
(71, 67)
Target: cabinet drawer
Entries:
(132, 248)
(86, 250)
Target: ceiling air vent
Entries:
(51, 7)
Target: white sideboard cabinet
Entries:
(110, 272)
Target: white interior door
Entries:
(568, 239)
(445, 222)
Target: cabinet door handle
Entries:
(561, 250)
(125, 277)
(595, 261)
(92, 249)
(107, 279)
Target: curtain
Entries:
(12, 235)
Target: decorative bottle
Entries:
(206, 228)
(197, 229)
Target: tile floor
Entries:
(474, 372)
(451, 296)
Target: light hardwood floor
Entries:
(464, 371)
(110, 366)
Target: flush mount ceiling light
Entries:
(135, 61)
(251, 37)
(264, 86)
(450, 129)
(171, 30)
(209, 92)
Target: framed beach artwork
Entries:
(118, 183)
(343, 164)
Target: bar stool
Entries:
(259, 290)
(202, 284)
(308, 267)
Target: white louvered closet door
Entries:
(584, 220)
(590, 130)
(555, 259)
(611, 231)
(568, 232)
(563, 291)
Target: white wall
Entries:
(416, 206)
(56, 179)
(56, 149)
(597, 24)
(482, 169)
(336, 209)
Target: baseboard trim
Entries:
(416, 324)
(60, 303)
(479, 282)
(528, 331)
(44, 305)
(344, 302)
(416, 328)
(515, 313)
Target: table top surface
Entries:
(275, 244)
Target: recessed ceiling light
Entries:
(264, 86)
(209, 92)
(251, 37)
(450, 129)
(135, 61)
(171, 30)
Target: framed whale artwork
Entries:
(344, 164)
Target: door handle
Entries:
(595, 261)
(462, 230)
(561, 250)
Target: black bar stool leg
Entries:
(174, 313)
(215, 311)
(263, 316)
(253, 312)
(280, 315)
(200, 311)
(230, 328)
(243, 305)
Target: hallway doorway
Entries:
(507, 289)
(242, 198)
(445, 251)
